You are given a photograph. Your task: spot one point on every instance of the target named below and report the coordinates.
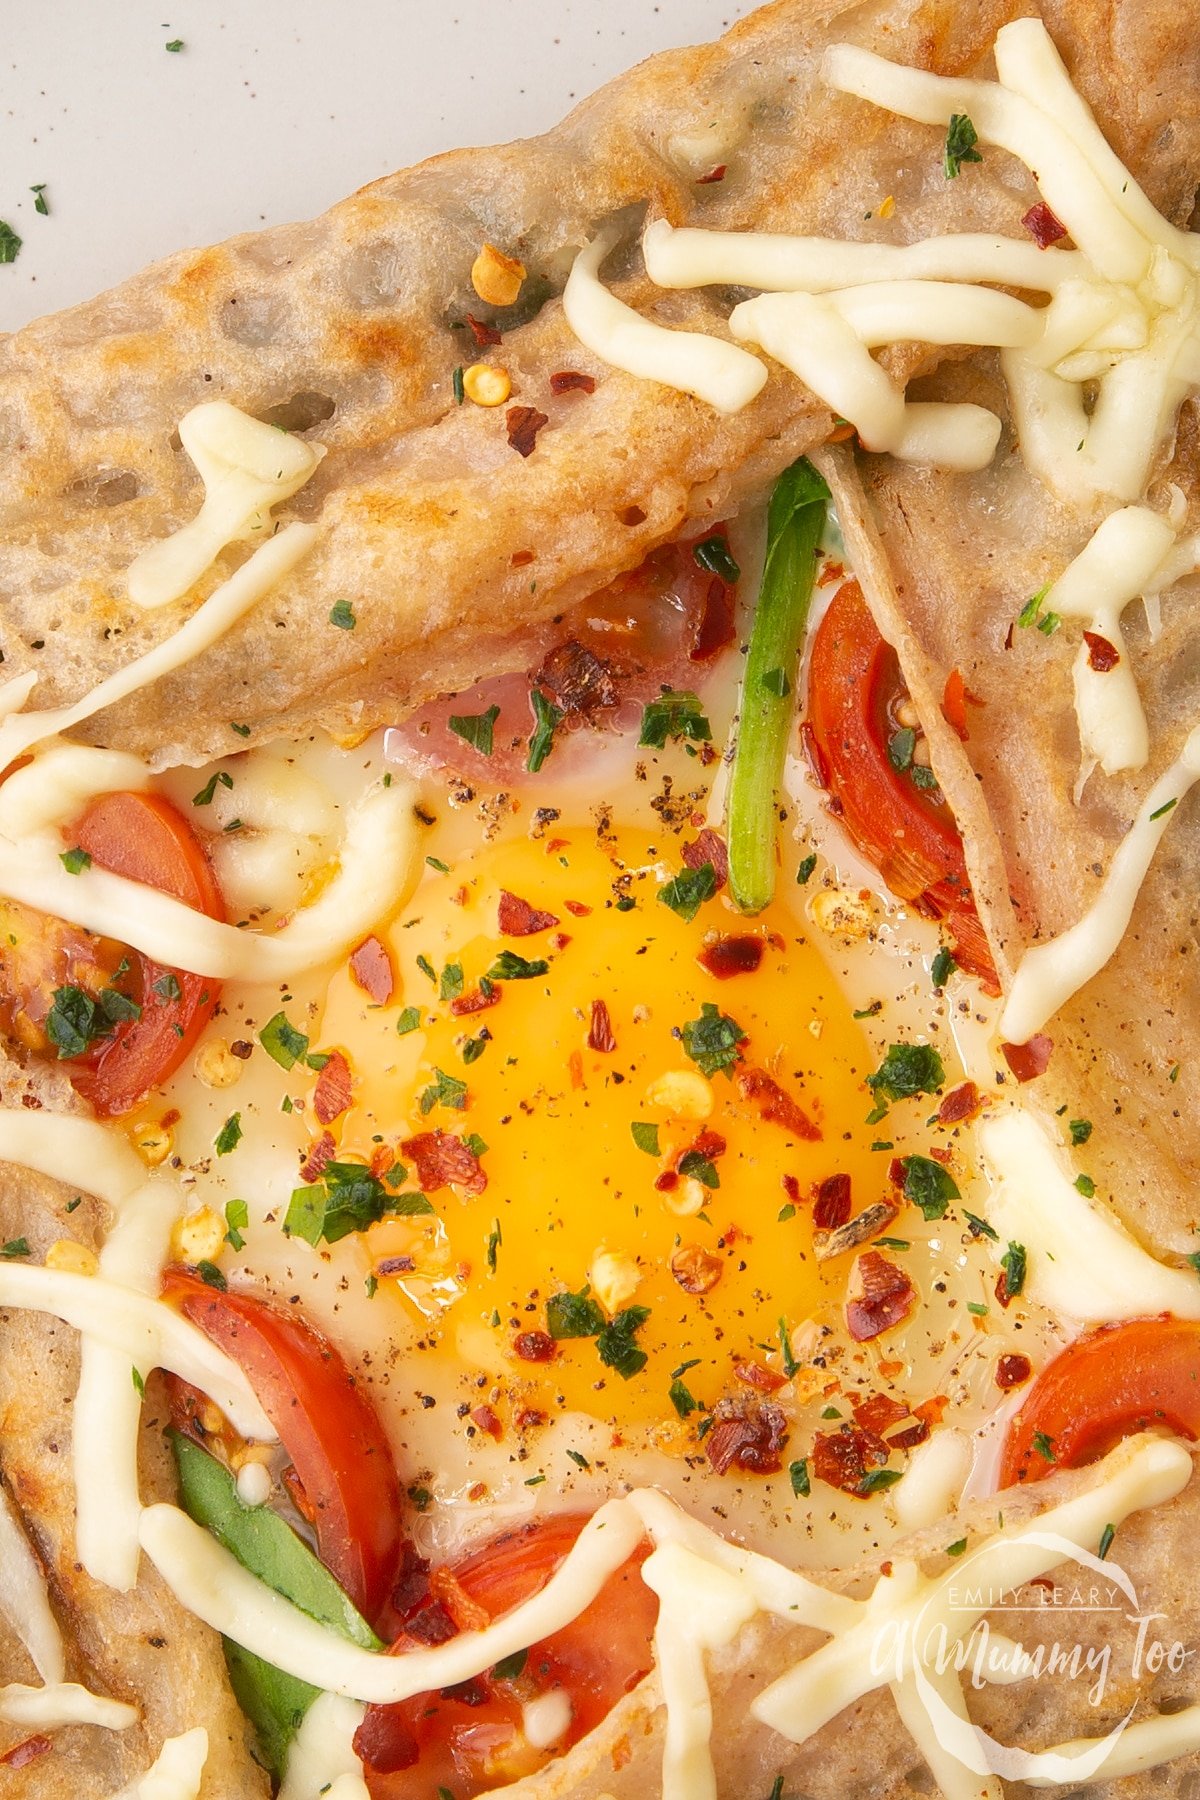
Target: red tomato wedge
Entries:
(326, 1423)
(145, 838)
(1143, 1375)
(908, 832)
(469, 1739)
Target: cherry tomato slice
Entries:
(327, 1425)
(145, 838)
(469, 1739)
(908, 832)
(1142, 1375)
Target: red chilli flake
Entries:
(474, 1002)
(517, 918)
(842, 1458)
(319, 1157)
(748, 1435)
(1013, 1371)
(488, 1421)
(483, 334)
(371, 967)
(535, 1347)
(600, 1032)
(832, 1205)
(443, 1159)
(709, 847)
(26, 1751)
(730, 956)
(577, 909)
(1042, 225)
(1102, 656)
(1028, 1061)
(878, 1412)
(572, 381)
(774, 1105)
(960, 1103)
(331, 1096)
(791, 1187)
(757, 1375)
(886, 1297)
(717, 174)
(910, 1437)
(524, 423)
(710, 1145)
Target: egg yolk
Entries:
(668, 1193)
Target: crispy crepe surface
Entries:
(353, 325)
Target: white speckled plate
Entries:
(271, 110)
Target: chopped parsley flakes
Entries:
(712, 1040)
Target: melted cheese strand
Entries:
(701, 1608)
(1050, 973)
(1063, 174)
(217, 615)
(906, 1607)
(146, 1332)
(779, 1590)
(1139, 1747)
(1028, 63)
(809, 336)
(24, 1602)
(211, 1583)
(1115, 565)
(322, 1763)
(81, 1153)
(935, 312)
(63, 1703)
(176, 1772)
(379, 862)
(954, 1780)
(247, 468)
(55, 788)
(107, 1412)
(709, 367)
(776, 262)
(1082, 1265)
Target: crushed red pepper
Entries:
(371, 967)
(320, 1155)
(524, 423)
(748, 1435)
(832, 1205)
(441, 1158)
(774, 1104)
(332, 1094)
(887, 1296)
(1028, 1061)
(1102, 655)
(726, 957)
(572, 381)
(709, 848)
(1043, 226)
(519, 918)
(600, 1031)
(843, 1458)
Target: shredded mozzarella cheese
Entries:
(218, 614)
(709, 367)
(1050, 973)
(1081, 1264)
(247, 468)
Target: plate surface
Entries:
(272, 110)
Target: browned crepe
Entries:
(426, 516)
